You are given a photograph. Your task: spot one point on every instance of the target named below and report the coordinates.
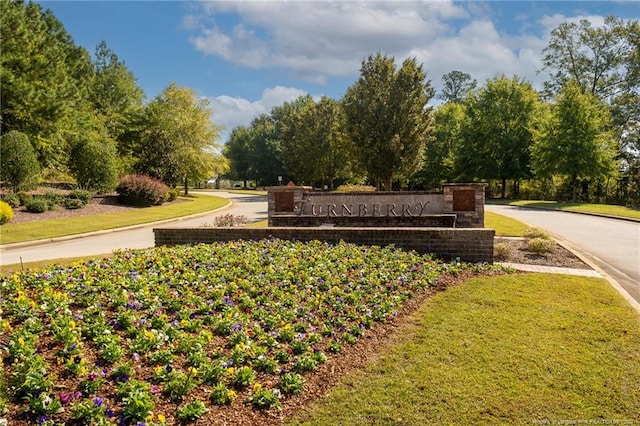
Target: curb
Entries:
(628, 219)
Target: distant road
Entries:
(252, 206)
(612, 245)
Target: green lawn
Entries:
(602, 209)
(43, 229)
(513, 349)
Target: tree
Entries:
(236, 150)
(456, 85)
(44, 78)
(117, 99)
(387, 117)
(94, 165)
(18, 162)
(312, 142)
(298, 151)
(439, 157)
(263, 157)
(180, 138)
(574, 138)
(496, 133)
(603, 61)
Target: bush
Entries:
(94, 165)
(502, 251)
(24, 198)
(12, 200)
(355, 188)
(73, 203)
(173, 194)
(18, 161)
(540, 246)
(6, 213)
(141, 190)
(37, 205)
(536, 233)
(80, 194)
(53, 199)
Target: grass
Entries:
(514, 349)
(43, 229)
(600, 209)
(503, 225)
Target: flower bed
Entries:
(166, 335)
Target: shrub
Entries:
(502, 251)
(53, 199)
(141, 190)
(12, 200)
(173, 194)
(355, 188)
(94, 165)
(6, 213)
(536, 233)
(540, 246)
(37, 205)
(73, 203)
(18, 162)
(227, 220)
(24, 198)
(82, 195)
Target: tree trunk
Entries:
(186, 186)
(388, 188)
(574, 188)
(504, 188)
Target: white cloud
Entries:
(232, 112)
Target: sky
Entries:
(248, 56)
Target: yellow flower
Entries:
(230, 371)
(257, 386)
(193, 371)
(149, 418)
(162, 418)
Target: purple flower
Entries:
(42, 420)
(236, 327)
(108, 412)
(227, 300)
(97, 401)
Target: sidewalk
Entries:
(552, 269)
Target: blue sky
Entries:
(249, 56)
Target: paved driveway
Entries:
(612, 245)
(251, 206)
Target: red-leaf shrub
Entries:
(141, 190)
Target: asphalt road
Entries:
(251, 206)
(611, 245)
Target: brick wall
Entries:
(470, 245)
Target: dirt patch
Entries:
(516, 252)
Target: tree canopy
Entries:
(388, 118)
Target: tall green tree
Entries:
(44, 79)
(496, 133)
(387, 117)
(19, 165)
(117, 99)
(298, 153)
(604, 61)
(181, 137)
(313, 146)
(574, 140)
(456, 85)
(236, 150)
(439, 156)
(265, 164)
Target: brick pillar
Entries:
(466, 200)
